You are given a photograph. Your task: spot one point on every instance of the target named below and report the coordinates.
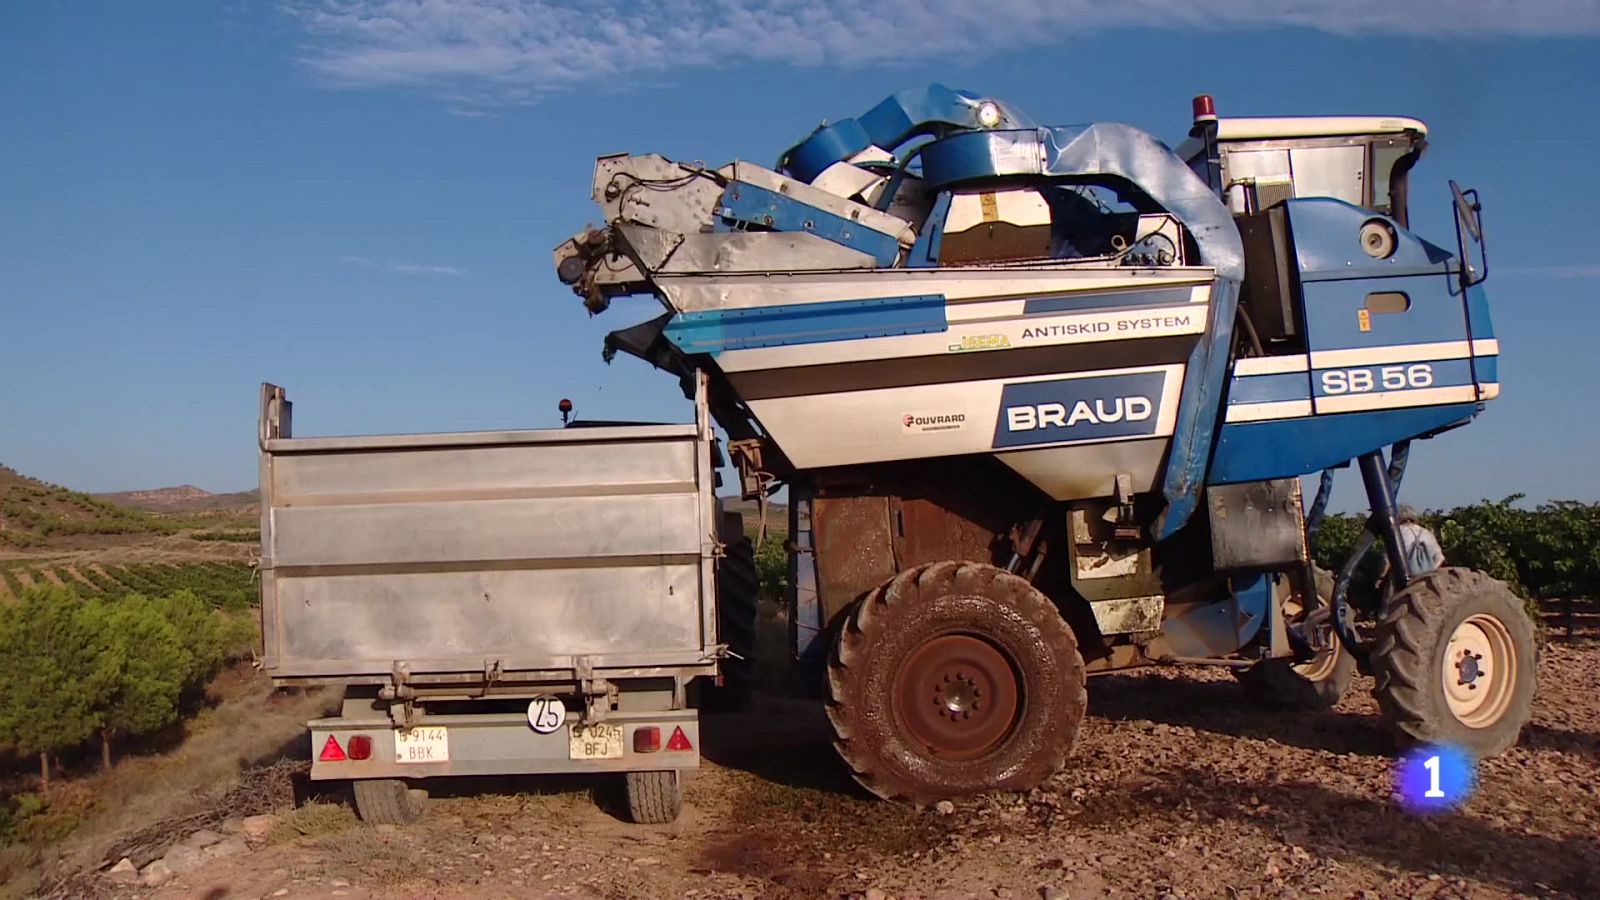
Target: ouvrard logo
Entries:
(1079, 409)
(927, 423)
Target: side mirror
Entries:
(1468, 211)
(1469, 224)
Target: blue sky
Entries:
(357, 200)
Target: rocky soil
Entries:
(1179, 788)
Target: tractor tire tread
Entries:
(859, 741)
(1406, 682)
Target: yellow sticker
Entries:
(991, 207)
(1364, 319)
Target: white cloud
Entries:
(1579, 270)
(400, 268)
(516, 50)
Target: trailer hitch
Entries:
(401, 695)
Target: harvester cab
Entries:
(1042, 397)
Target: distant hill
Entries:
(39, 517)
(185, 498)
(34, 513)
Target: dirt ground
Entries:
(1179, 787)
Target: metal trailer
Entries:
(1042, 395)
(506, 602)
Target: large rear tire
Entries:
(1317, 683)
(954, 679)
(1454, 663)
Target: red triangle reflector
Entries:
(331, 751)
(679, 740)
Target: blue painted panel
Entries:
(1270, 388)
(753, 205)
(1488, 369)
(1253, 595)
(1082, 301)
(891, 123)
(1079, 409)
(1327, 243)
(925, 252)
(1204, 386)
(1440, 373)
(1257, 451)
(826, 146)
(1478, 313)
(1333, 313)
(713, 331)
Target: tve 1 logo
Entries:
(1079, 409)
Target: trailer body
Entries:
(494, 602)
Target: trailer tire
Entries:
(737, 590)
(387, 801)
(1454, 663)
(1318, 683)
(924, 652)
(654, 798)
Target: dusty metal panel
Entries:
(479, 438)
(854, 549)
(1128, 615)
(494, 551)
(537, 614)
(930, 531)
(533, 533)
(1258, 524)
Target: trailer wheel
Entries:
(1318, 683)
(954, 679)
(654, 798)
(1454, 663)
(387, 801)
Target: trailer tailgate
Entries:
(548, 551)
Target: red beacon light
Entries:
(1205, 109)
(565, 408)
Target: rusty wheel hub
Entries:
(958, 695)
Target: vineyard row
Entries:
(225, 585)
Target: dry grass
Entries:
(315, 819)
(252, 726)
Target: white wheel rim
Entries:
(1321, 665)
(1479, 671)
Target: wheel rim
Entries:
(1479, 671)
(958, 695)
(1324, 662)
(1320, 666)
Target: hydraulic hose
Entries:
(1319, 506)
(1399, 455)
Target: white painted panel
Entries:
(981, 336)
(865, 426)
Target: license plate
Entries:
(599, 741)
(426, 744)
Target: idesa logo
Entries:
(1090, 408)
